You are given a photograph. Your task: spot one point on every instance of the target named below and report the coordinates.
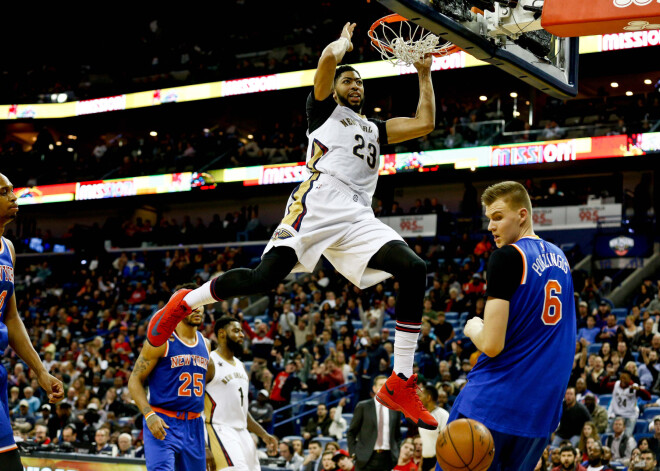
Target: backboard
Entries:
(507, 34)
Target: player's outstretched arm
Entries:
(404, 129)
(20, 341)
(256, 428)
(144, 365)
(330, 57)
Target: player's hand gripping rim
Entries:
(157, 426)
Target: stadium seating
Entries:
(594, 348)
(604, 400)
(650, 412)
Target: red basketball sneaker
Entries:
(163, 323)
(398, 394)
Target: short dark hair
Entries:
(223, 322)
(318, 442)
(341, 69)
(568, 448)
(431, 391)
(289, 446)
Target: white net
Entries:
(407, 45)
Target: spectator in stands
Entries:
(624, 352)
(443, 330)
(455, 301)
(291, 459)
(319, 425)
(645, 337)
(590, 331)
(621, 444)
(624, 399)
(588, 431)
(654, 441)
(261, 339)
(125, 446)
(70, 436)
(596, 462)
(598, 413)
(551, 131)
(429, 396)
(653, 307)
(284, 384)
(327, 462)
(649, 459)
(103, 445)
(344, 461)
(574, 415)
(312, 462)
(630, 330)
(373, 319)
(608, 333)
(583, 312)
(33, 402)
(604, 309)
(23, 420)
(482, 246)
(406, 452)
(261, 410)
(568, 460)
(41, 435)
(338, 425)
(454, 139)
(581, 389)
(474, 289)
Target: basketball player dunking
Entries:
(527, 335)
(177, 372)
(330, 214)
(229, 423)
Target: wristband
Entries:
(149, 414)
(348, 43)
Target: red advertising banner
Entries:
(54, 464)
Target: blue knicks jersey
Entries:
(520, 391)
(177, 381)
(6, 290)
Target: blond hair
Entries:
(512, 193)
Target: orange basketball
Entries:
(465, 445)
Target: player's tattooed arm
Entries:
(144, 365)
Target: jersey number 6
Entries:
(552, 304)
(198, 384)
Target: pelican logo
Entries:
(281, 234)
(622, 245)
(640, 26)
(627, 3)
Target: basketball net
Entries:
(407, 45)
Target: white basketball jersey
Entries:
(624, 402)
(346, 145)
(226, 399)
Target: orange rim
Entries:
(396, 18)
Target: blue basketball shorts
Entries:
(7, 442)
(512, 452)
(182, 449)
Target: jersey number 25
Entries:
(198, 384)
(552, 303)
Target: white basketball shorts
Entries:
(325, 217)
(232, 448)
